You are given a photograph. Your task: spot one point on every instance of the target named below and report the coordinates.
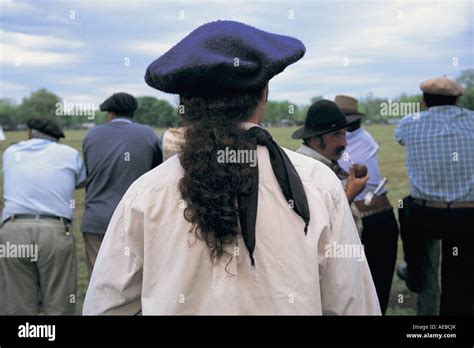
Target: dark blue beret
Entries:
(123, 104)
(223, 57)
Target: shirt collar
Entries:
(310, 152)
(39, 141)
(121, 119)
(446, 111)
(334, 166)
(248, 125)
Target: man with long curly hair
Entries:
(210, 232)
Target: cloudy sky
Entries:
(85, 50)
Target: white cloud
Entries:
(20, 57)
(152, 48)
(135, 88)
(399, 29)
(413, 44)
(19, 50)
(14, 6)
(12, 90)
(11, 86)
(76, 80)
(32, 41)
(388, 51)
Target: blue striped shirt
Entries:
(440, 153)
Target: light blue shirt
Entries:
(362, 148)
(39, 177)
(440, 153)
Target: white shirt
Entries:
(362, 148)
(150, 262)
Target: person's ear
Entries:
(264, 96)
(319, 141)
(313, 142)
(423, 103)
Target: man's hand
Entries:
(354, 185)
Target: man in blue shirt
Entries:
(36, 240)
(440, 166)
(115, 154)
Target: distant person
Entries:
(39, 178)
(324, 139)
(172, 141)
(2, 135)
(116, 154)
(380, 232)
(440, 164)
(206, 233)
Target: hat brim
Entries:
(349, 112)
(303, 132)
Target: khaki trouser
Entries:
(41, 275)
(92, 242)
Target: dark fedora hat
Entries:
(323, 117)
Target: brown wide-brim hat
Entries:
(324, 117)
(348, 105)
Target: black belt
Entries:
(453, 205)
(36, 217)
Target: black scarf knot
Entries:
(263, 137)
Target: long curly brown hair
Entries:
(210, 188)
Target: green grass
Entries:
(391, 160)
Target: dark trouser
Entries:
(380, 240)
(92, 242)
(454, 228)
(427, 301)
(457, 265)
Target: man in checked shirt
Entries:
(440, 165)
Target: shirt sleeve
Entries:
(5, 158)
(399, 133)
(80, 172)
(116, 282)
(346, 283)
(157, 153)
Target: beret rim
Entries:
(159, 85)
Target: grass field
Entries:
(391, 160)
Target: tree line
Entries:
(160, 113)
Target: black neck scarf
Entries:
(288, 179)
(340, 173)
